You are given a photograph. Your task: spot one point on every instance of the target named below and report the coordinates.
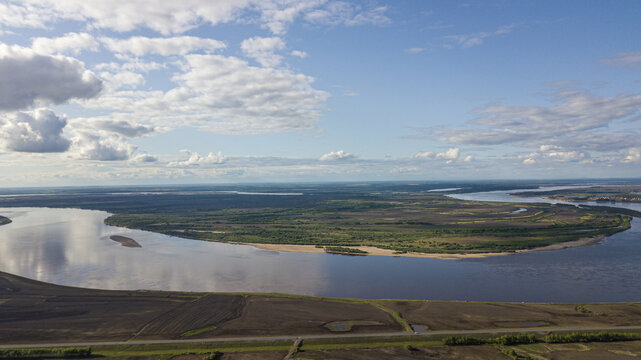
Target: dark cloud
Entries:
(38, 132)
(28, 78)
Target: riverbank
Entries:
(370, 250)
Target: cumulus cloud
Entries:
(144, 158)
(70, 42)
(173, 17)
(28, 78)
(555, 153)
(95, 147)
(226, 95)
(577, 121)
(195, 159)
(263, 50)
(337, 155)
(299, 54)
(424, 155)
(178, 45)
(39, 131)
(450, 154)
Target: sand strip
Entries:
(384, 252)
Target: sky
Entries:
(113, 92)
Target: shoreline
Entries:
(371, 250)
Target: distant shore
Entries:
(371, 250)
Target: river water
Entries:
(72, 247)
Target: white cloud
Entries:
(178, 45)
(630, 59)
(475, 39)
(144, 158)
(578, 121)
(195, 159)
(336, 155)
(529, 161)
(300, 54)
(450, 154)
(39, 131)
(94, 147)
(424, 155)
(348, 14)
(225, 95)
(70, 42)
(173, 17)
(634, 156)
(27, 78)
(415, 50)
(468, 158)
(263, 50)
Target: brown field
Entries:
(33, 311)
(455, 315)
(589, 351)
(295, 315)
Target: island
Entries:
(417, 224)
(125, 241)
(4, 220)
(606, 194)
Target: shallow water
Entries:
(72, 247)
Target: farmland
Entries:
(35, 312)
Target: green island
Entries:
(622, 193)
(4, 220)
(146, 325)
(428, 223)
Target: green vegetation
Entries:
(4, 220)
(501, 340)
(602, 336)
(71, 352)
(344, 250)
(198, 331)
(519, 339)
(583, 310)
(413, 222)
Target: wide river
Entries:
(72, 247)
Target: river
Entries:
(72, 247)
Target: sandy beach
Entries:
(385, 252)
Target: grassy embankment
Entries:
(423, 223)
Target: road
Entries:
(326, 336)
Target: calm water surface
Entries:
(72, 247)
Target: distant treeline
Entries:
(72, 352)
(553, 338)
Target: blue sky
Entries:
(144, 92)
